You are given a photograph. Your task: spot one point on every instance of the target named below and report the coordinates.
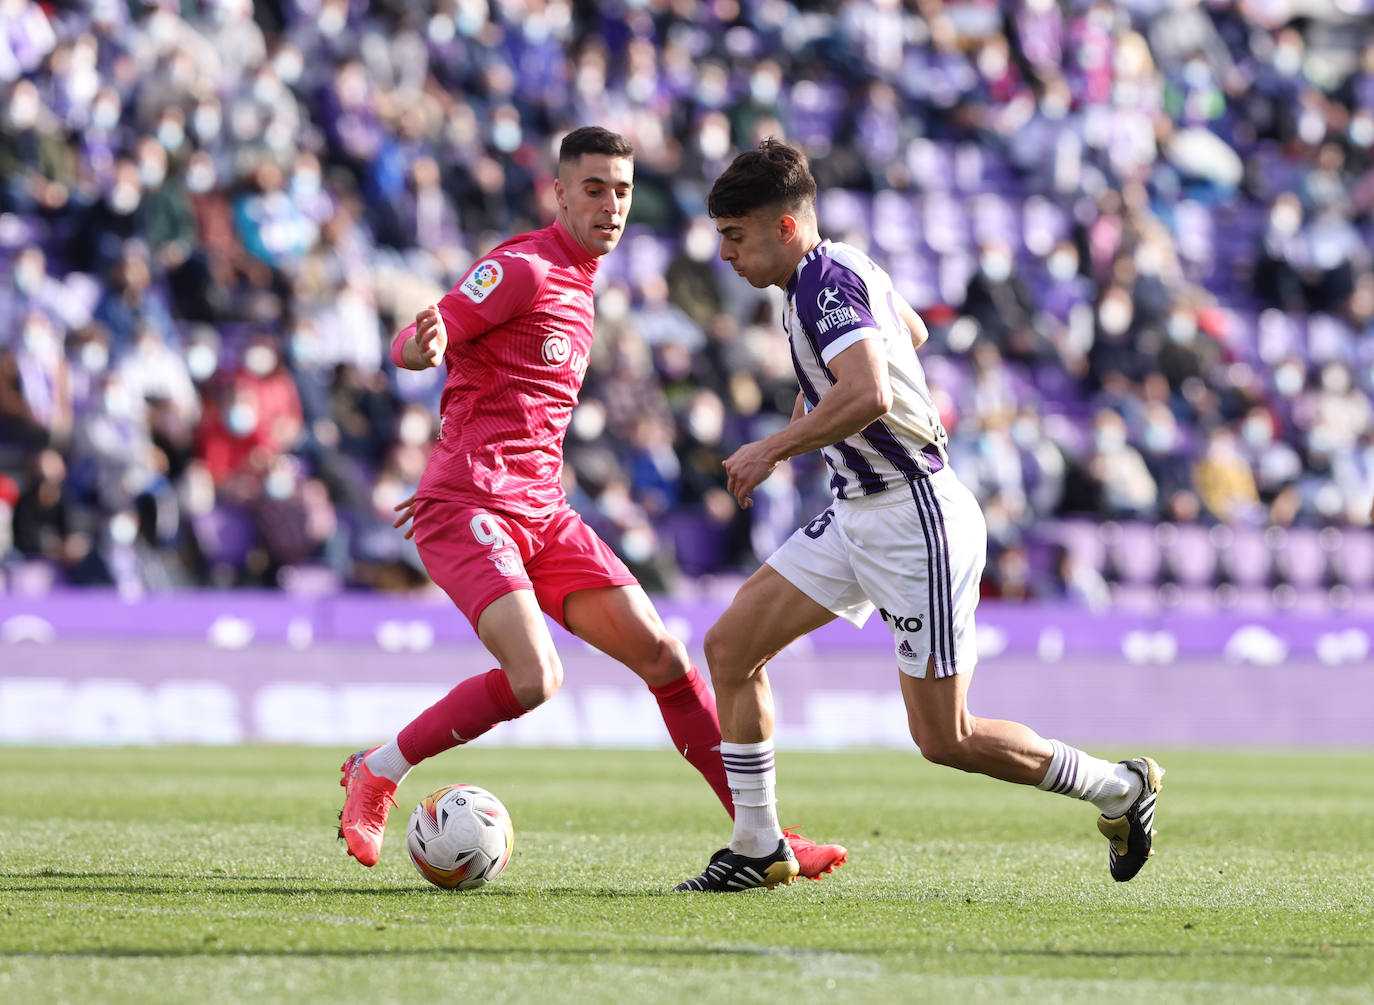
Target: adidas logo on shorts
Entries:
(905, 650)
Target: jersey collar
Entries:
(578, 256)
(809, 256)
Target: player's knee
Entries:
(536, 685)
(723, 657)
(668, 662)
(941, 747)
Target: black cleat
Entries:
(730, 871)
(1131, 835)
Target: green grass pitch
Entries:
(205, 875)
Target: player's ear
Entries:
(559, 193)
(787, 228)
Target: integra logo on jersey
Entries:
(481, 281)
(834, 311)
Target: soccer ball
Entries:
(460, 837)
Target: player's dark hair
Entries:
(772, 175)
(594, 140)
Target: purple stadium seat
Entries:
(1243, 554)
(1355, 558)
(1135, 553)
(1298, 556)
(1191, 556)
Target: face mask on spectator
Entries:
(1109, 439)
(123, 198)
(123, 529)
(1257, 431)
(279, 484)
(117, 402)
(506, 136)
(200, 176)
(171, 134)
(413, 429)
(28, 275)
(331, 21)
(1362, 129)
(95, 357)
(1288, 379)
(23, 109)
(105, 115)
(39, 341)
(1182, 328)
(288, 64)
(1114, 315)
(305, 182)
(763, 88)
(260, 360)
(1062, 265)
(201, 362)
(152, 172)
(996, 266)
(241, 419)
(207, 121)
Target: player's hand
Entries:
(407, 510)
(747, 467)
(431, 337)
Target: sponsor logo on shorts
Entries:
(905, 650)
(482, 280)
(901, 622)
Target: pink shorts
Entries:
(477, 555)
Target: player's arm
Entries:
(861, 394)
(421, 344)
(495, 290)
(913, 322)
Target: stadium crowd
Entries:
(1140, 233)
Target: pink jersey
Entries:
(519, 334)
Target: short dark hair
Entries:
(594, 140)
(772, 175)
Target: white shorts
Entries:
(917, 556)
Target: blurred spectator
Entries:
(1139, 234)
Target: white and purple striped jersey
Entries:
(836, 297)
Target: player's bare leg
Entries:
(766, 615)
(529, 673)
(622, 623)
(949, 734)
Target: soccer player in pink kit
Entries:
(490, 518)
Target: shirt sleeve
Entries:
(833, 305)
(494, 290)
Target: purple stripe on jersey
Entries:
(939, 571)
(932, 458)
(869, 480)
(883, 440)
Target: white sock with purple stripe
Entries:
(750, 772)
(1110, 787)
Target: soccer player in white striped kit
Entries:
(903, 536)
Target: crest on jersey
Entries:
(557, 349)
(829, 299)
(507, 562)
(482, 280)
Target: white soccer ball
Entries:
(460, 837)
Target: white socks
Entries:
(387, 762)
(752, 777)
(1110, 787)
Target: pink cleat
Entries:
(815, 860)
(362, 821)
